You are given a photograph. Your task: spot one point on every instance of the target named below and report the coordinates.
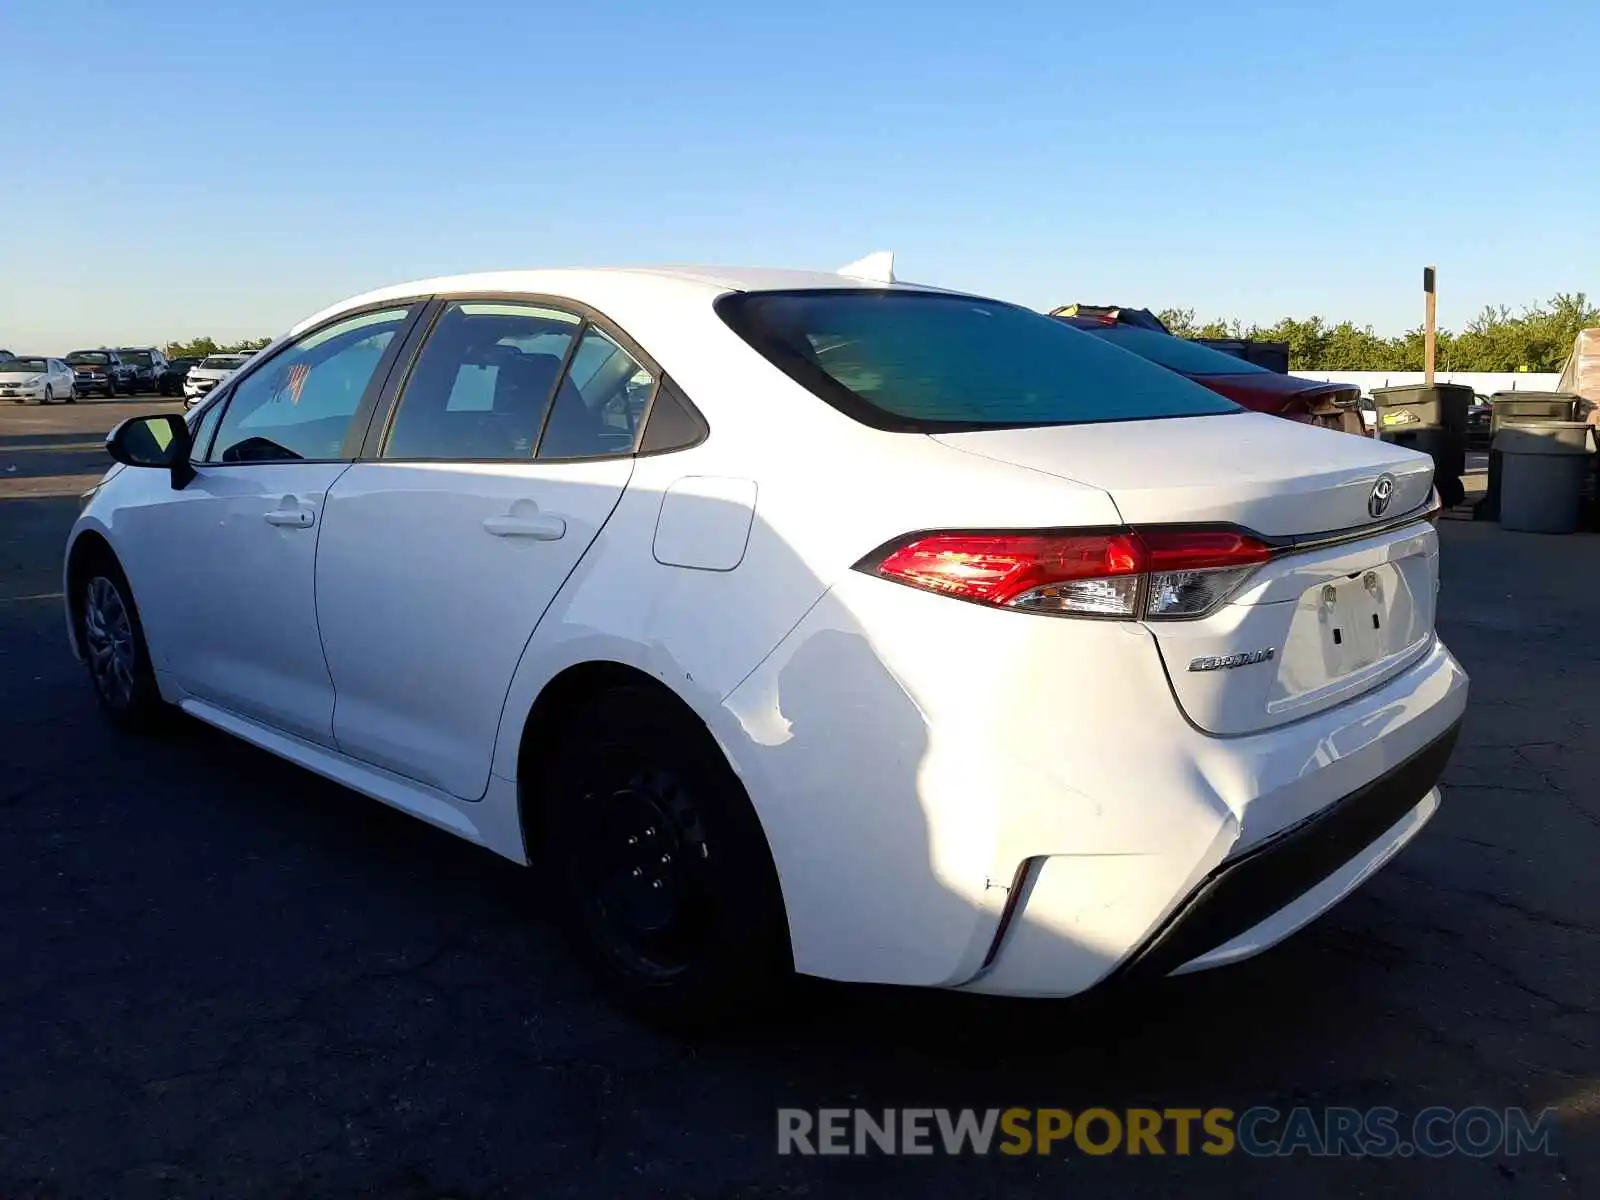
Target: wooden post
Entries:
(1427, 323)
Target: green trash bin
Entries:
(1542, 469)
(1434, 421)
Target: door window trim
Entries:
(360, 420)
(371, 449)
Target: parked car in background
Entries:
(209, 372)
(100, 372)
(176, 371)
(34, 378)
(146, 364)
(1331, 405)
(1369, 415)
(465, 545)
(1480, 415)
(6, 356)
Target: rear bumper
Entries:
(1252, 892)
(963, 798)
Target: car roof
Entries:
(607, 287)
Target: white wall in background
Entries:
(1485, 382)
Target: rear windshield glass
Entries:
(926, 362)
(88, 356)
(1175, 353)
(31, 366)
(139, 358)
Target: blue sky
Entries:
(174, 168)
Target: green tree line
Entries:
(202, 346)
(1539, 338)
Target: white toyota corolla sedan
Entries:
(795, 622)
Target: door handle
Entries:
(291, 513)
(538, 528)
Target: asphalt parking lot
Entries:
(226, 977)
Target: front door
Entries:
(242, 536)
(440, 555)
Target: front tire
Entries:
(49, 394)
(667, 885)
(115, 650)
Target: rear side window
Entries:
(1175, 353)
(600, 404)
(926, 362)
(482, 383)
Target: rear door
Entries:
(507, 447)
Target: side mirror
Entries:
(160, 441)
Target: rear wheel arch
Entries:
(563, 694)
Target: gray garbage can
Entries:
(1542, 470)
(1514, 408)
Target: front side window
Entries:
(480, 387)
(202, 424)
(928, 362)
(299, 404)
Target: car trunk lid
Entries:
(1345, 603)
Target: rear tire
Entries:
(115, 650)
(667, 886)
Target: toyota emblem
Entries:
(1382, 493)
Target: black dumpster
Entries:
(1514, 408)
(1432, 420)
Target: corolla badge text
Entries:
(1227, 662)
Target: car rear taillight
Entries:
(1157, 573)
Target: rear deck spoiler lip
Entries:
(1355, 533)
(1287, 544)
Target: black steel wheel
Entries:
(666, 879)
